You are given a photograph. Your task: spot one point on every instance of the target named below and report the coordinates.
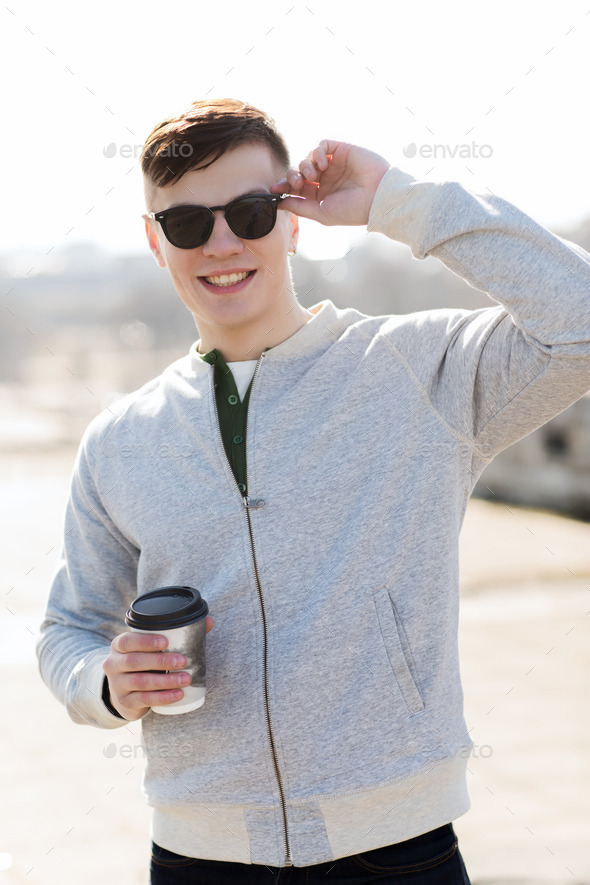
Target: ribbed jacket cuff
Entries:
(84, 694)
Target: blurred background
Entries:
(491, 96)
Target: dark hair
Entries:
(200, 135)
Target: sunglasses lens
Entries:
(252, 217)
(188, 227)
(249, 217)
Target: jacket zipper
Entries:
(251, 504)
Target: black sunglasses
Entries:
(249, 217)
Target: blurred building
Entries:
(549, 468)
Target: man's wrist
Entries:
(106, 698)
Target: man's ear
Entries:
(153, 241)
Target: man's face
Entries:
(264, 296)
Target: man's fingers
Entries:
(151, 681)
(295, 184)
(139, 700)
(328, 146)
(309, 170)
(305, 208)
(142, 674)
(319, 155)
(133, 704)
(146, 642)
(140, 661)
(294, 181)
(126, 642)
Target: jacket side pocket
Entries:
(392, 631)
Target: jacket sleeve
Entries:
(94, 580)
(503, 371)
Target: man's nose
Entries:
(222, 240)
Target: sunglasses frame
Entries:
(161, 217)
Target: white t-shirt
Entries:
(242, 372)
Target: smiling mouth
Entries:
(224, 280)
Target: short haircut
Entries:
(200, 135)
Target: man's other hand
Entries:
(136, 672)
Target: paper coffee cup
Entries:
(178, 613)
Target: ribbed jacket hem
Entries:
(321, 829)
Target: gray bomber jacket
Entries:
(333, 722)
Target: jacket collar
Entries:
(322, 329)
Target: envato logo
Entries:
(477, 751)
(145, 450)
(464, 151)
(138, 751)
(186, 751)
(128, 151)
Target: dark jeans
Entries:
(430, 859)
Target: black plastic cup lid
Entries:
(165, 608)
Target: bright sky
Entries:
(500, 88)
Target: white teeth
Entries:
(227, 279)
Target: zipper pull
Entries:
(252, 503)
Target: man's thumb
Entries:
(304, 208)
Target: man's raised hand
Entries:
(335, 184)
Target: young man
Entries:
(326, 462)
